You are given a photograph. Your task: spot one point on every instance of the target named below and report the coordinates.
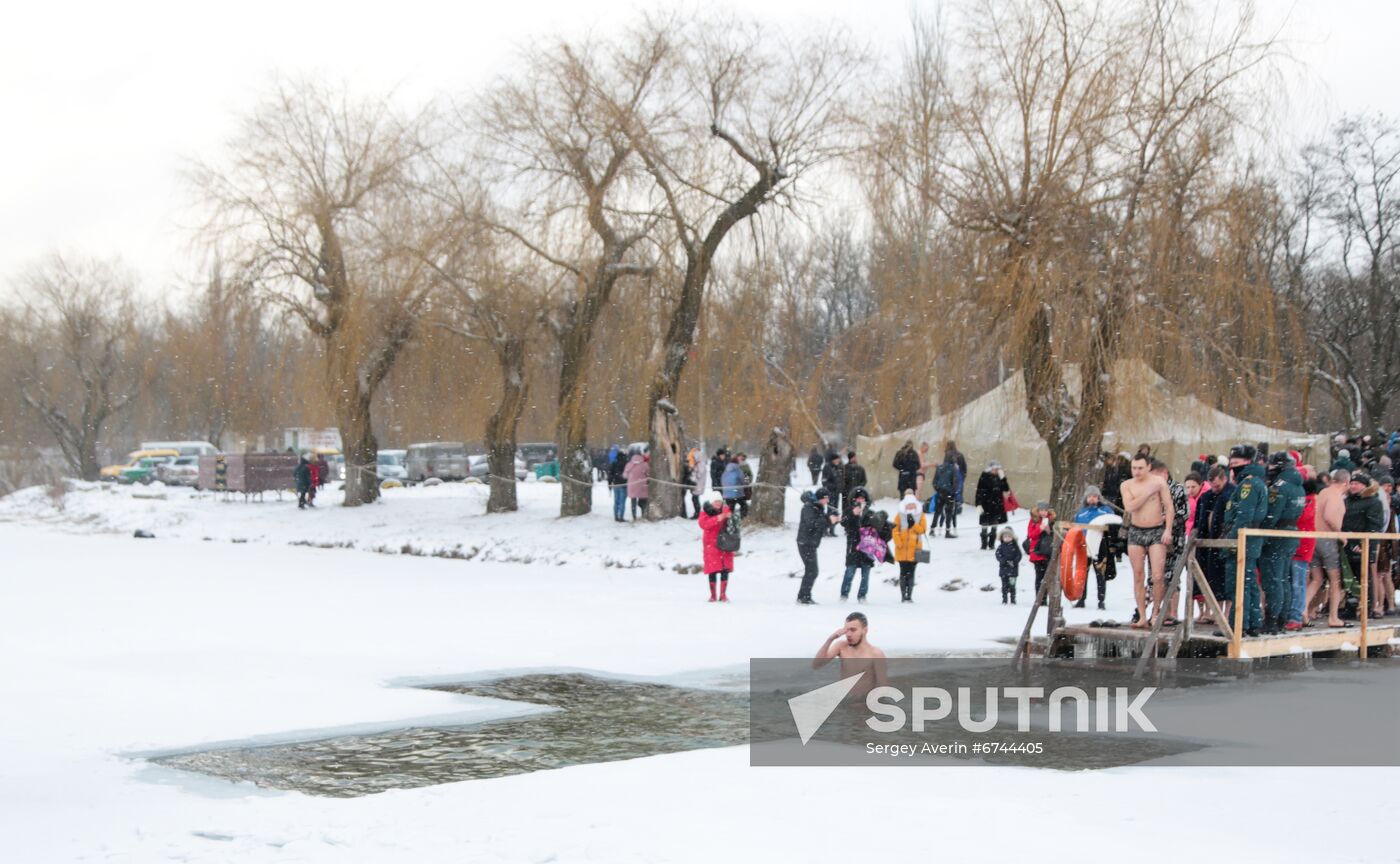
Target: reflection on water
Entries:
(600, 720)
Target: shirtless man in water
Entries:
(1148, 502)
(857, 655)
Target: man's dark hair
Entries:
(858, 616)
(1156, 464)
(1218, 470)
(850, 454)
(1142, 458)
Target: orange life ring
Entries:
(1074, 564)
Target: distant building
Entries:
(300, 438)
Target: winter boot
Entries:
(712, 588)
(724, 590)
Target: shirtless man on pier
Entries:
(857, 655)
(1148, 502)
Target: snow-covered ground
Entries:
(114, 645)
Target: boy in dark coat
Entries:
(1008, 563)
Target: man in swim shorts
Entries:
(1147, 501)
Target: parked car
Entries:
(180, 471)
(537, 452)
(144, 471)
(114, 472)
(481, 466)
(392, 465)
(446, 460)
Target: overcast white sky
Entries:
(105, 102)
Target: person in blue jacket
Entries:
(732, 487)
(1094, 507)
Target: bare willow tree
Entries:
(494, 295)
(566, 190)
(315, 200)
(737, 115)
(78, 348)
(232, 363)
(1079, 133)
(1349, 193)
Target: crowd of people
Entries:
(1292, 582)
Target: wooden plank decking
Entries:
(1306, 640)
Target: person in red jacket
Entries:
(1297, 610)
(315, 482)
(718, 563)
(1039, 539)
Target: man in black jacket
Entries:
(908, 463)
(814, 463)
(855, 479)
(947, 481)
(834, 482)
(302, 476)
(718, 463)
(816, 518)
(1364, 513)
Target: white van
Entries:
(446, 460)
(184, 448)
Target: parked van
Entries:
(446, 460)
(184, 448)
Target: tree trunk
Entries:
(501, 425)
(774, 471)
(571, 434)
(666, 432)
(359, 446)
(667, 458)
(1072, 468)
(77, 443)
(88, 466)
(1073, 433)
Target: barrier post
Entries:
(1241, 544)
(1365, 578)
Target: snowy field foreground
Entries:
(228, 627)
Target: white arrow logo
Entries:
(810, 710)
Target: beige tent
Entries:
(1146, 411)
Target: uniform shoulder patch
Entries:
(1245, 489)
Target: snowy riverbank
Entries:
(118, 645)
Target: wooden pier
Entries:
(1225, 638)
(1084, 640)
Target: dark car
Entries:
(538, 452)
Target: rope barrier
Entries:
(372, 470)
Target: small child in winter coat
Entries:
(1008, 562)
